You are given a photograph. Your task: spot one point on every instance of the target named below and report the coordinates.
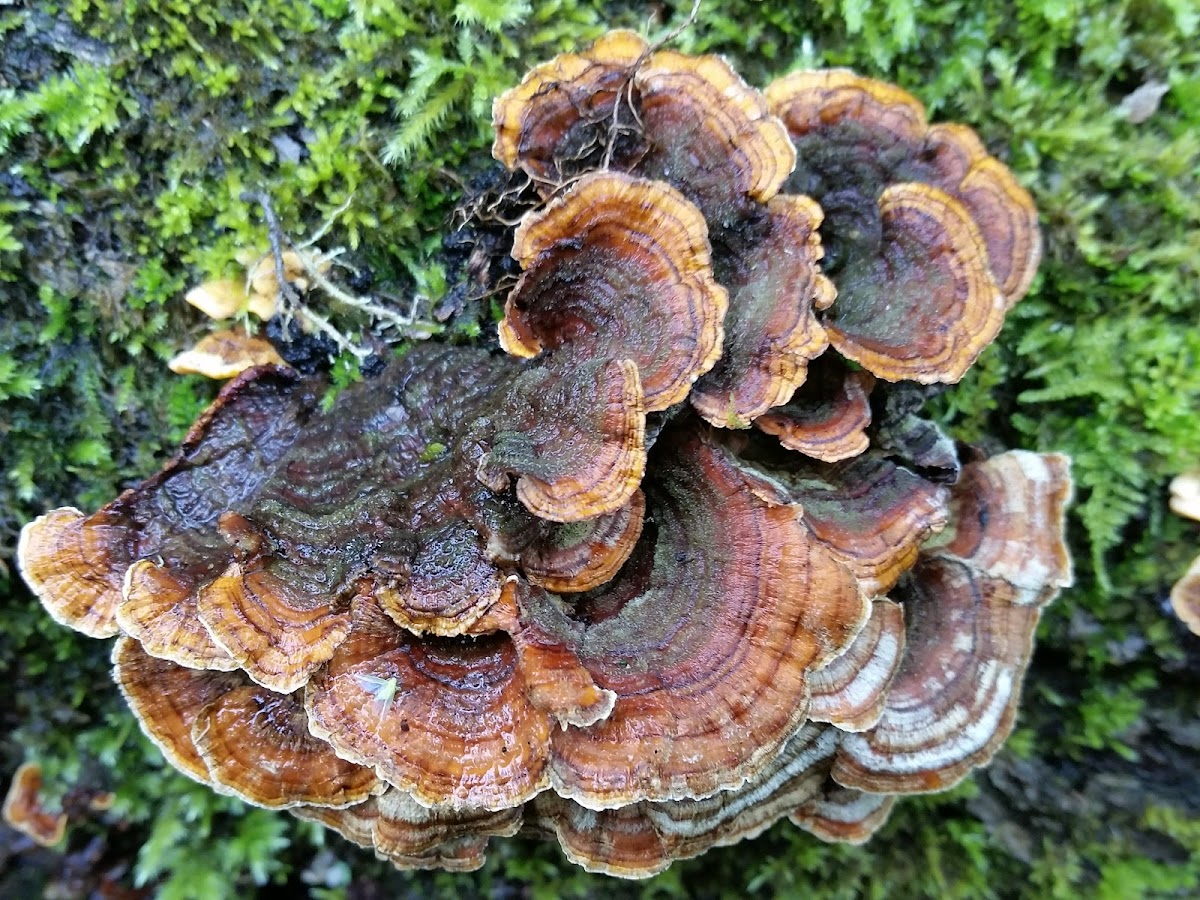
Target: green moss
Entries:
(130, 131)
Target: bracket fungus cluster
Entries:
(683, 561)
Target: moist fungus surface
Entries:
(680, 559)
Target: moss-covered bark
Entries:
(129, 132)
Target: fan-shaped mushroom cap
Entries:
(827, 418)
(224, 354)
(167, 699)
(697, 709)
(575, 437)
(689, 121)
(1185, 597)
(859, 134)
(257, 746)
(850, 692)
(159, 611)
(68, 562)
(555, 678)
(775, 284)
(77, 564)
(640, 839)
(1007, 515)
(406, 828)
(844, 814)
(561, 112)
(415, 836)
(872, 514)
(953, 701)
(448, 586)
(446, 719)
(917, 303)
(23, 808)
(619, 267)
(710, 134)
(278, 634)
(226, 298)
(582, 555)
(972, 606)
(355, 823)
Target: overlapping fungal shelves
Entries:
(683, 561)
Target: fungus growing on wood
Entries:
(928, 238)
(827, 418)
(610, 237)
(972, 603)
(553, 589)
(692, 123)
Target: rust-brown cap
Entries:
(159, 612)
(278, 633)
(690, 121)
(561, 112)
(446, 719)
(921, 304)
(582, 555)
(355, 823)
(809, 101)
(73, 564)
(709, 670)
(555, 678)
(972, 605)
(775, 285)
(574, 435)
(827, 418)
(871, 513)
(167, 699)
(847, 125)
(850, 692)
(449, 584)
(619, 267)
(709, 133)
(642, 839)
(77, 564)
(256, 746)
(23, 808)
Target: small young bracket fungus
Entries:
(882, 136)
(225, 354)
(23, 808)
(555, 589)
(828, 417)
(1185, 595)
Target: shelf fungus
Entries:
(1185, 594)
(24, 810)
(683, 560)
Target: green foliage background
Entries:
(128, 130)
